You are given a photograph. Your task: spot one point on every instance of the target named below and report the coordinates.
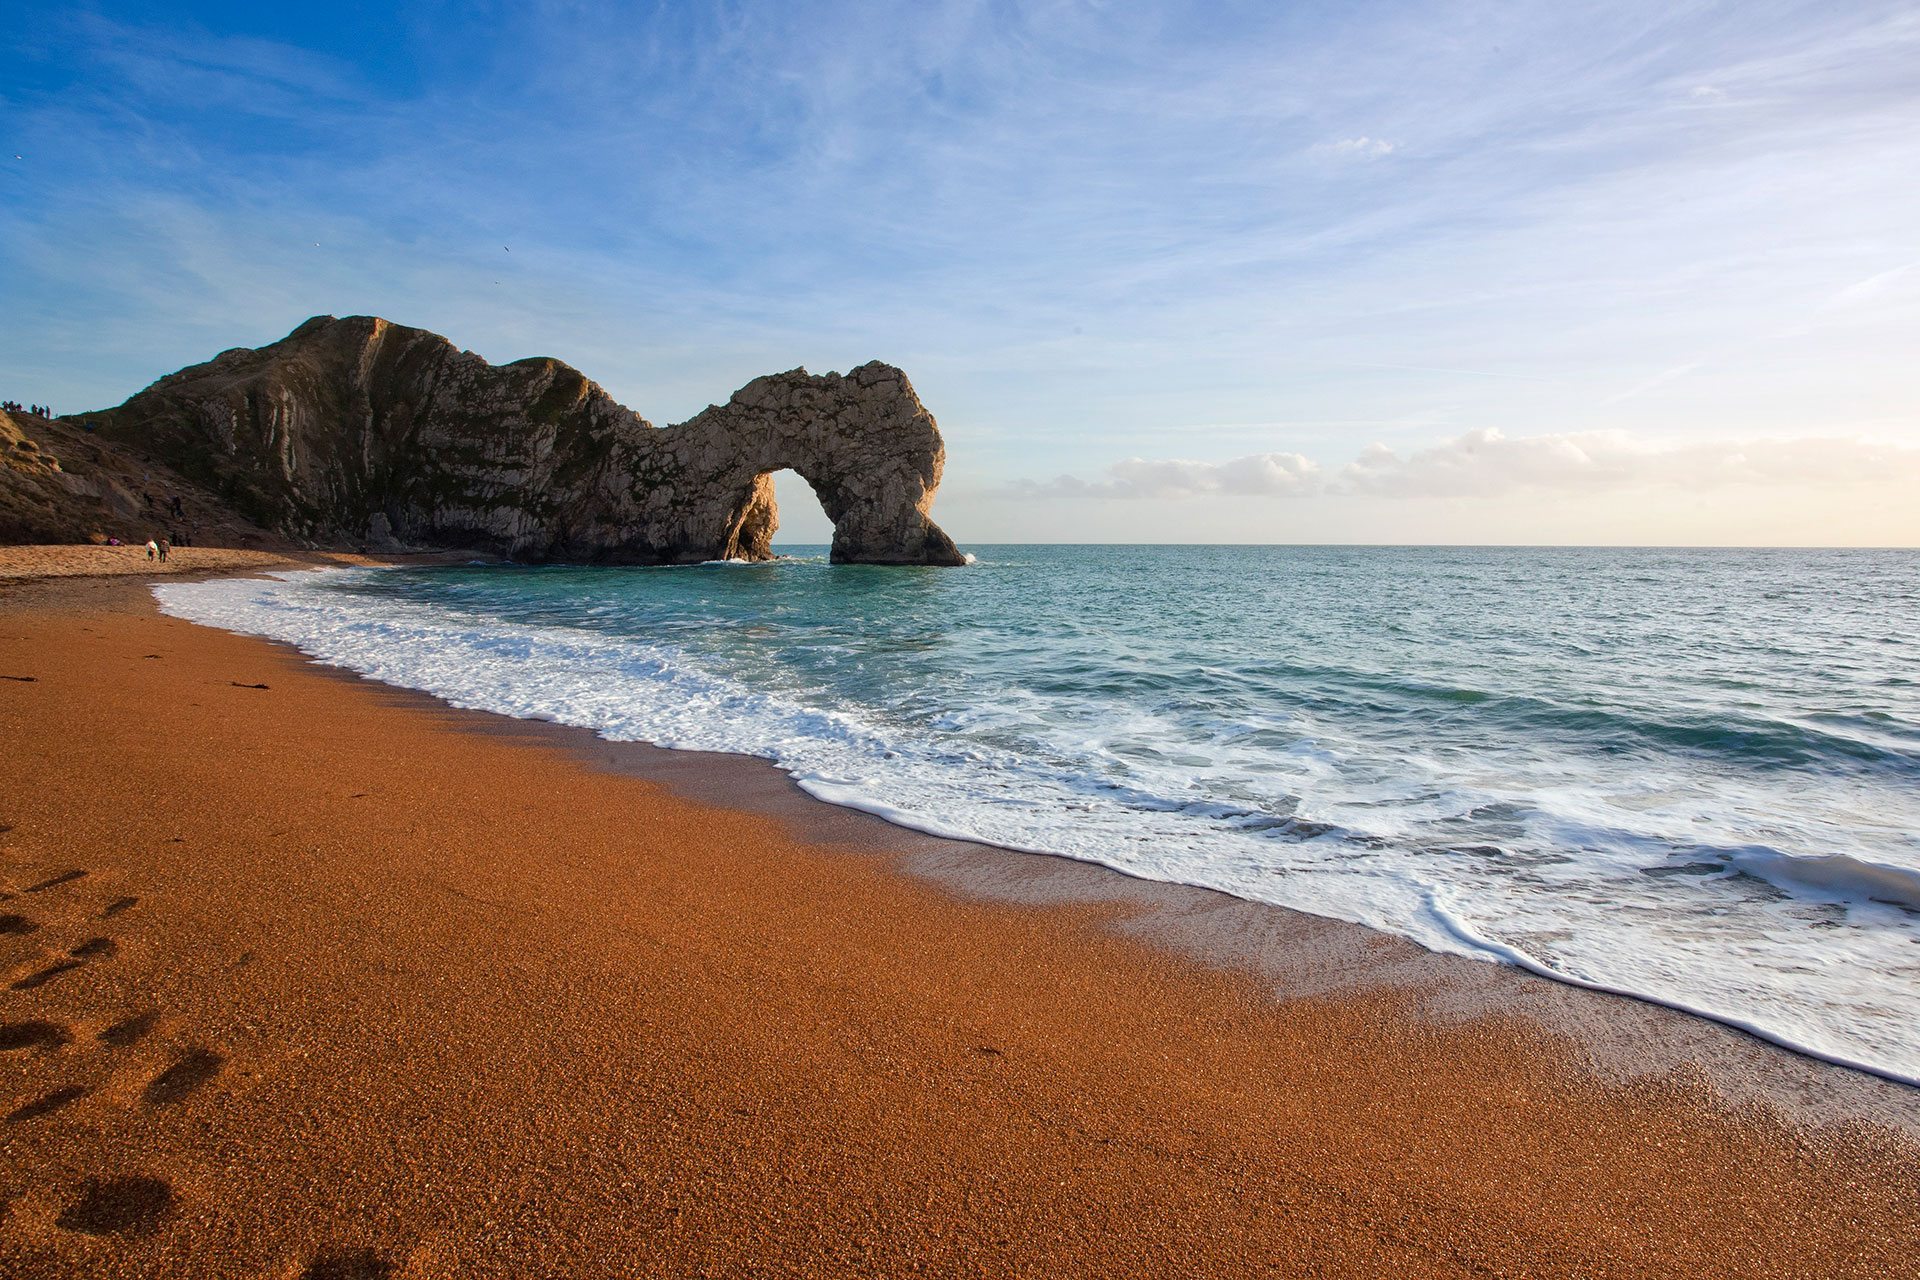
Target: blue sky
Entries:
(1246, 272)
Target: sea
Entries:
(1692, 776)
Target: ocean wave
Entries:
(1835, 877)
(1456, 925)
(1833, 742)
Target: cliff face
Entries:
(60, 484)
(364, 431)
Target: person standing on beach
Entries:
(153, 548)
(166, 545)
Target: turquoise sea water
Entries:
(1690, 775)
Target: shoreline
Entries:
(967, 866)
(791, 802)
(1256, 1019)
(1622, 1036)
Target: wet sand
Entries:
(307, 976)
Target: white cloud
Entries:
(1256, 475)
(1486, 463)
(1869, 289)
(1362, 146)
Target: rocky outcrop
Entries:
(365, 431)
(20, 453)
(58, 483)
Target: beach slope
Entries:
(300, 975)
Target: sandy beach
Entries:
(30, 563)
(309, 977)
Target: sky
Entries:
(1435, 271)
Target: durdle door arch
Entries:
(865, 530)
(863, 442)
(358, 430)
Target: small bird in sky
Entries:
(504, 249)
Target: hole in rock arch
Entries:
(804, 527)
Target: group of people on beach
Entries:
(157, 548)
(14, 406)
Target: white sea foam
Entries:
(1293, 812)
(1456, 925)
(1835, 876)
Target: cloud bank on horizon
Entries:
(1488, 464)
(1463, 253)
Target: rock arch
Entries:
(360, 430)
(864, 443)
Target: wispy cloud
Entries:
(1873, 287)
(1360, 146)
(1488, 464)
(1657, 381)
(1256, 475)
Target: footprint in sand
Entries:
(35, 1034)
(46, 975)
(123, 1206)
(347, 1264)
(91, 949)
(118, 1207)
(129, 1031)
(193, 1069)
(65, 877)
(47, 1104)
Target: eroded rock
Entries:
(358, 429)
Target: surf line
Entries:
(1465, 933)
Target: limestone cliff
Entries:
(358, 429)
